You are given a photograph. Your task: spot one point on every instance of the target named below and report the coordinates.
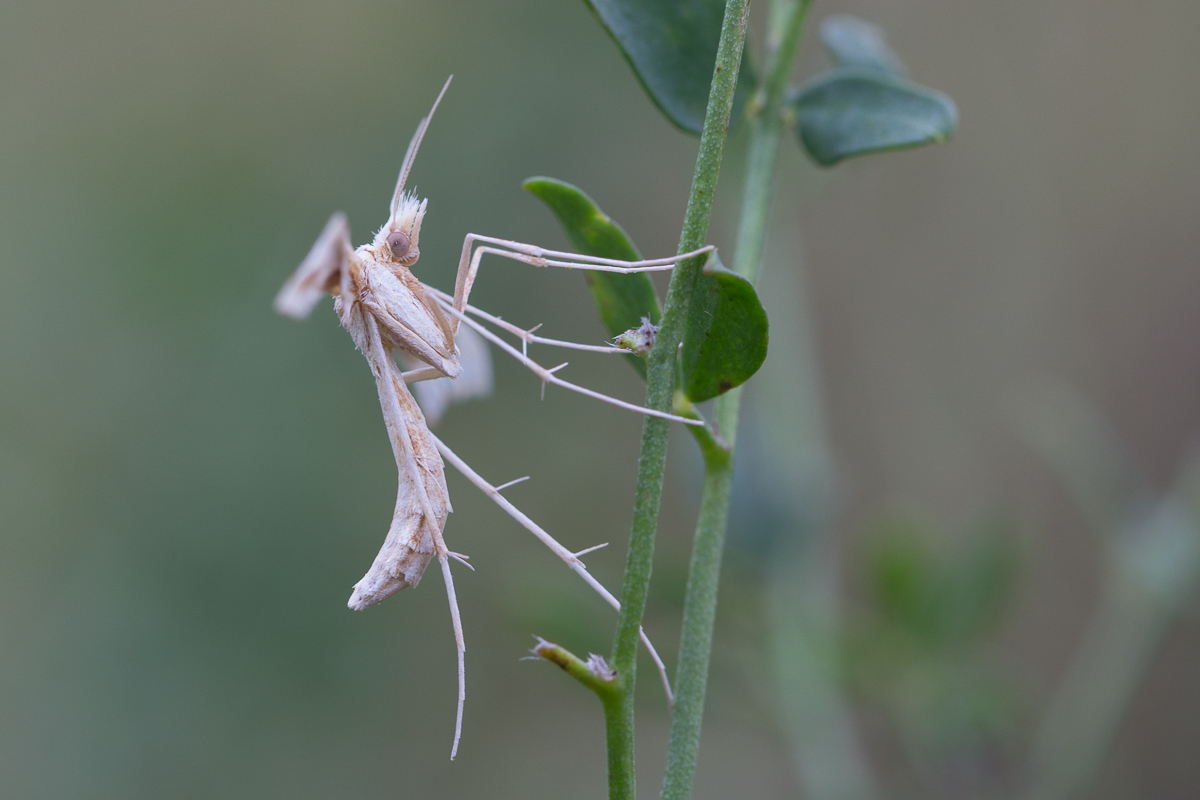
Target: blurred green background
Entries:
(190, 484)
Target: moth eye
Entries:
(398, 243)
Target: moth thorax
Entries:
(398, 244)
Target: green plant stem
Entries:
(660, 379)
(618, 739)
(784, 29)
(700, 604)
(593, 673)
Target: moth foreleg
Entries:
(469, 260)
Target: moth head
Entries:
(397, 240)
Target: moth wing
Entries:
(405, 315)
(421, 497)
(435, 396)
(318, 272)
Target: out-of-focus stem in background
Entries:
(816, 720)
(1151, 549)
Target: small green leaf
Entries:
(622, 299)
(672, 47)
(855, 43)
(985, 571)
(726, 337)
(855, 112)
(946, 594)
(908, 580)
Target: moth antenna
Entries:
(410, 155)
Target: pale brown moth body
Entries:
(389, 314)
(386, 309)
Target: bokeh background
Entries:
(189, 484)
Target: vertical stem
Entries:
(784, 29)
(700, 604)
(1104, 675)
(695, 643)
(618, 739)
(660, 379)
(1155, 567)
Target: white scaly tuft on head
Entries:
(410, 210)
(396, 241)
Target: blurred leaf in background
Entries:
(853, 113)
(672, 47)
(919, 647)
(865, 104)
(857, 44)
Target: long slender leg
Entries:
(527, 336)
(381, 360)
(422, 374)
(572, 560)
(622, 267)
(468, 263)
(537, 251)
(462, 647)
(392, 382)
(548, 376)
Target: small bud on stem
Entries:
(593, 673)
(639, 340)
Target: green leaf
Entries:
(622, 299)
(857, 44)
(908, 580)
(855, 112)
(985, 571)
(726, 337)
(946, 594)
(672, 47)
